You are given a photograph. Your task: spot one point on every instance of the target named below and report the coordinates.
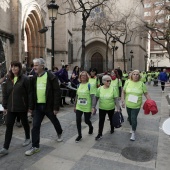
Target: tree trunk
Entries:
(83, 43)
(3, 69)
(168, 49)
(124, 62)
(107, 49)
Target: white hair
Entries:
(40, 61)
(105, 77)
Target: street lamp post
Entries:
(114, 47)
(52, 13)
(131, 57)
(152, 65)
(146, 58)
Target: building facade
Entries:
(20, 22)
(156, 13)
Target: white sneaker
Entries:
(32, 151)
(26, 142)
(132, 138)
(3, 151)
(60, 137)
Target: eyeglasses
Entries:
(108, 81)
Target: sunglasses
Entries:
(108, 81)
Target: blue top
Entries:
(63, 75)
(163, 77)
(75, 80)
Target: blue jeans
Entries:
(38, 117)
(133, 114)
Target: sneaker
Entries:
(32, 151)
(98, 137)
(3, 151)
(78, 139)
(132, 138)
(26, 142)
(91, 130)
(18, 124)
(60, 137)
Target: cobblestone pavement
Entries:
(113, 152)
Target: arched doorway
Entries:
(34, 42)
(97, 62)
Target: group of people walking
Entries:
(40, 95)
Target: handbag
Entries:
(117, 119)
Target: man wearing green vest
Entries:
(46, 98)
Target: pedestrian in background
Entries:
(74, 83)
(94, 83)
(132, 96)
(119, 72)
(46, 97)
(64, 80)
(124, 77)
(163, 78)
(84, 104)
(17, 101)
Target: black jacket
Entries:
(17, 97)
(53, 93)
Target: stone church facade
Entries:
(21, 20)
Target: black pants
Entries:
(102, 115)
(10, 120)
(38, 118)
(162, 85)
(73, 92)
(64, 93)
(123, 82)
(87, 116)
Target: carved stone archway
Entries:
(34, 42)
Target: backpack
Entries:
(117, 119)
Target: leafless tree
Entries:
(84, 7)
(159, 26)
(125, 29)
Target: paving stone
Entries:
(16, 159)
(93, 163)
(112, 142)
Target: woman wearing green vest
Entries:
(124, 77)
(94, 83)
(116, 82)
(132, 94)
(106, 95)
(83, 104)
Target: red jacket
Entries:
(150, 106)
